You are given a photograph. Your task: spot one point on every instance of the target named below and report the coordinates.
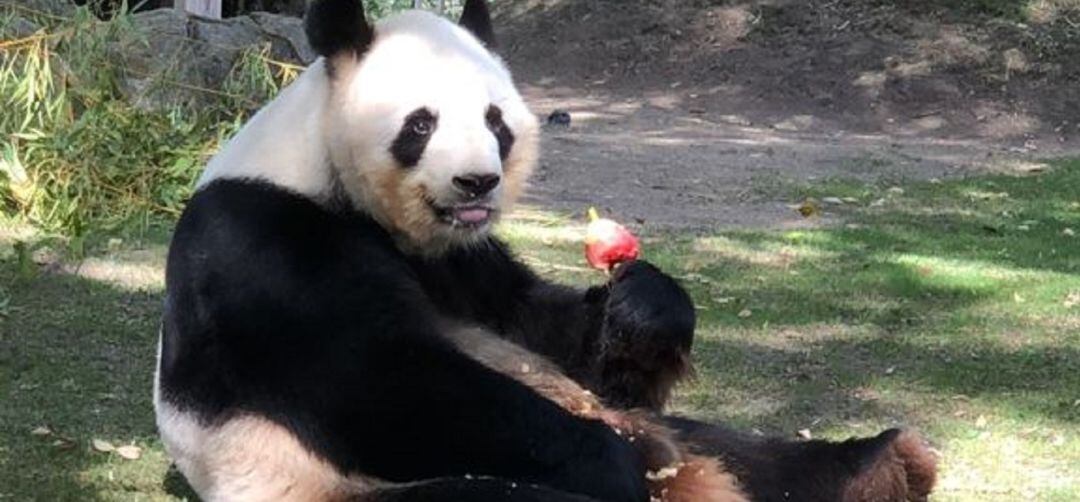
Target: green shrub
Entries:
(77, 159)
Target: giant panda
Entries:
(340, 324)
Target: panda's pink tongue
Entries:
(471, 214)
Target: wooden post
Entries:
(202, 8)
(416, 4)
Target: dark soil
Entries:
(684, 110)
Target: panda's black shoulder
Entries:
(255, 265)
(252, 228)
(269, 215)
(483, 282)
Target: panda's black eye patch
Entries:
(502, 133)
(413, 137)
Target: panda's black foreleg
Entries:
(645, 338)
(417, 410)
(628, 341)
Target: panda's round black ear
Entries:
(476, 18)
(334, 26)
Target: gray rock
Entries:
(218, 45)
(289, 7)
(62, 8)
(177, 59)
(287, 34)
(17, 27)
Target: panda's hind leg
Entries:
(894, 466)
(249, 458)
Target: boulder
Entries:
(177, 59)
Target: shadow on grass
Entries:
(77, 357)
(937, 297)
(836, 382)
(851, 288)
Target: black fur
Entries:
(476, 18)
(337, 26)
(502, 132)
(777, 470)
(408, 147)
(472, 490)
(314, 319)
(647, 334)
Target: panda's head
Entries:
(425, 130)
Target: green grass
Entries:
(948, 308)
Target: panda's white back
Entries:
(283, 143)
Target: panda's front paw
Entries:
(645, 341)
(647, 313)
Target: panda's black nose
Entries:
(476, 185)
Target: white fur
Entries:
(421, 60)
(417, 60)
(284, 143)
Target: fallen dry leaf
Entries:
(102, 445)
(129, 452)
(64, 443)
(805, 434)
(808, 208)
(744, 313)
(41, 431)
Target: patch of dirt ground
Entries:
(695, 114)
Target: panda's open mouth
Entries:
(469, 216)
